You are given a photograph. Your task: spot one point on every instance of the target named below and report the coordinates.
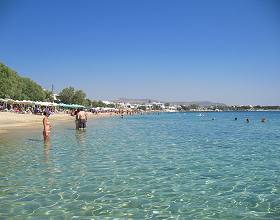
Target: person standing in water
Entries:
(47, 126)
(82, 117)
(77, 121)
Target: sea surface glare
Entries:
(166, 166)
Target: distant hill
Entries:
(135, 101)
(145, 101)
(200, 103)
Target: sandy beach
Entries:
(11, 121)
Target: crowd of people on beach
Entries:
(28, 109)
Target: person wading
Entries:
(47, 126)
(82, 117)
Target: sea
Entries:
(152, 166)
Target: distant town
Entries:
(153, 105)
(23, 94)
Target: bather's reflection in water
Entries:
(82, 152)
(81, 136)
(51, 168)
(47, 148)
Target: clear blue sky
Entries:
(226, 51)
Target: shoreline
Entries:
(13, 121)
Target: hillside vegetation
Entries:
(19, 88)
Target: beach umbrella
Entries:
(28, 102)
(42, 103)
(47, 103)
(63, 105)
(76, 106)
(37, 103)
(53, 104)
(10, 101)
(24, 102)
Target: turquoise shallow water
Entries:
(167, 166)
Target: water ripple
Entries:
(167, 166)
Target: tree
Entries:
(156, 107)
(9, 82)
(111, 105)
(142, 107)
(71, 96)
(87, 103)
(166, 104)
(49, 96)
(31, 90)
(99, 103)
(16, 87)
(184, 108)
(79, 97)
(66, 95)
(194, 106)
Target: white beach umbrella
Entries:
(10, 101)
(28, 102)
(37, 103)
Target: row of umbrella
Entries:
(28, 102)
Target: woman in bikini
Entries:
(47, 126)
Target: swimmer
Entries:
(263, 120)
(47, 126)
(235, 119)
(247, 120)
